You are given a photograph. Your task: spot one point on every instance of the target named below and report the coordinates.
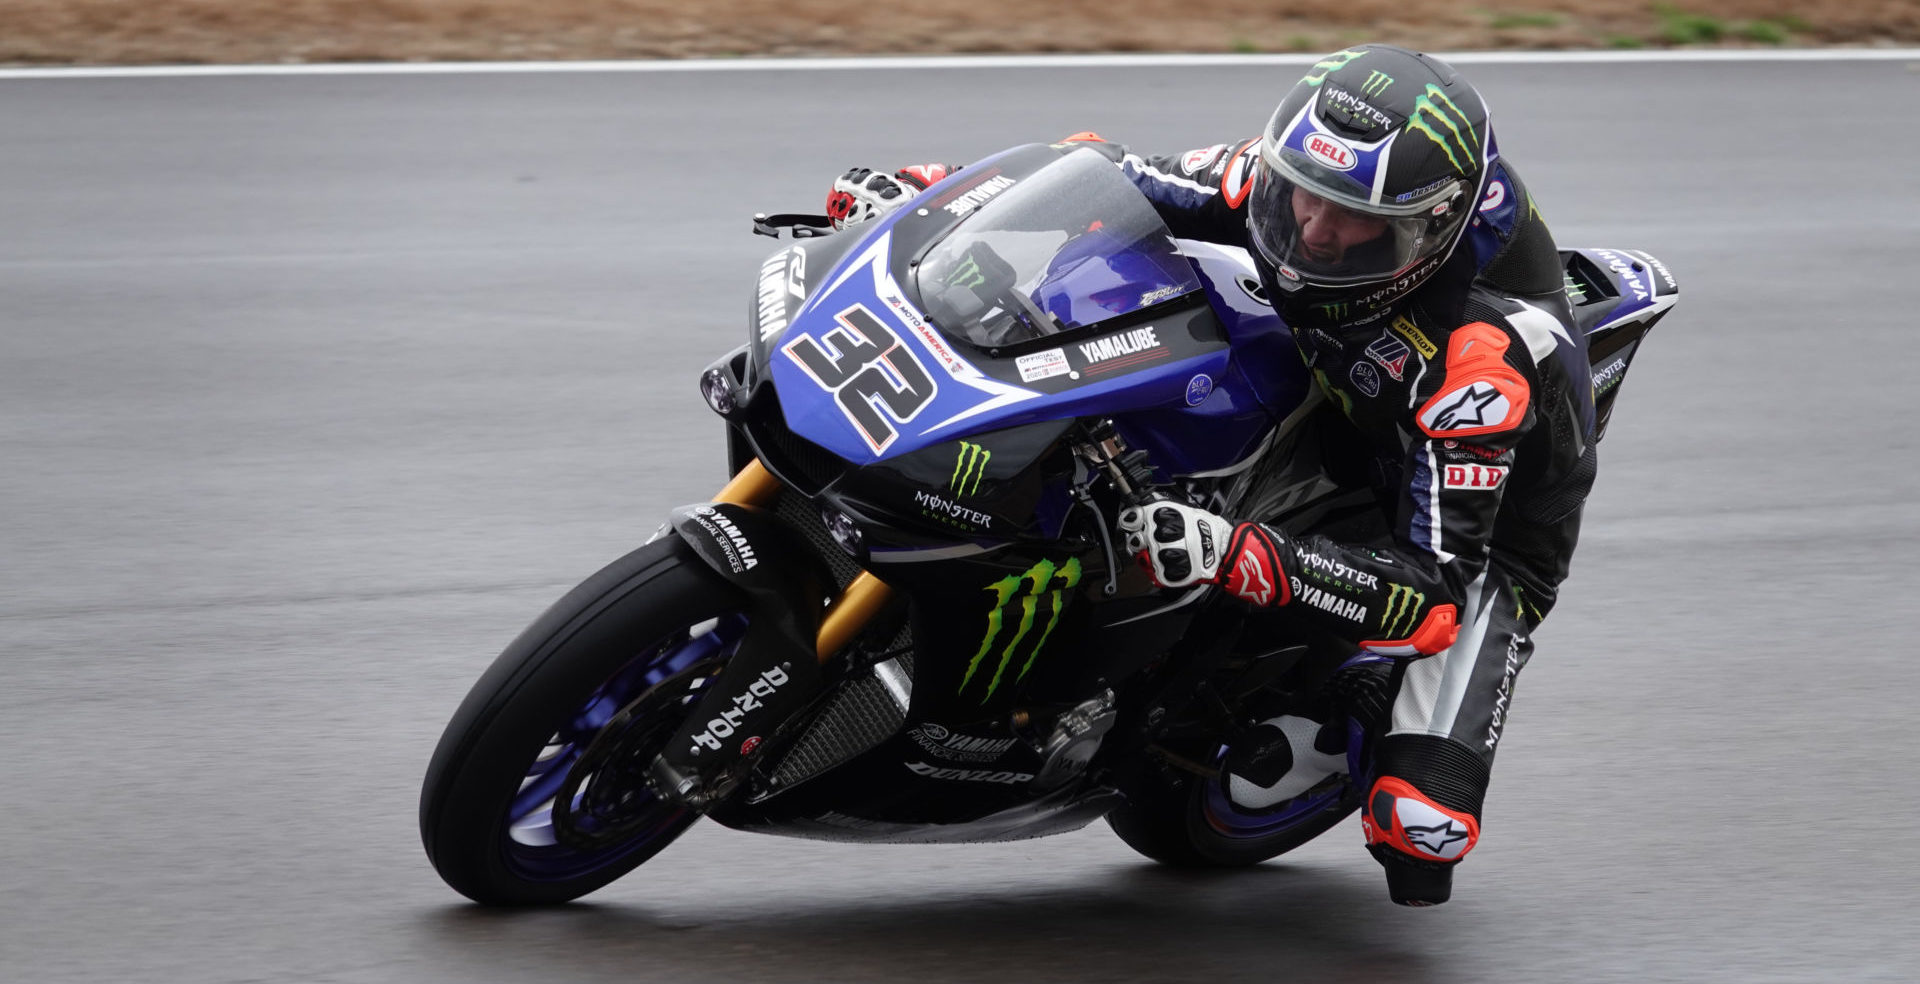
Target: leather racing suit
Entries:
(1469, 404)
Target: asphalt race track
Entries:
(314, 390)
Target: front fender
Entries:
(774, 672)
(759, 554)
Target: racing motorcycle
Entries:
(906, 618)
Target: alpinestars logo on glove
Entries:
(1255, 575)
(1253, 582)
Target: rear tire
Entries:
(653, 623)
(1188, 821)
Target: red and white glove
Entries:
(1180, 545)
(862, 194)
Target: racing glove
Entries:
(1181, 545)
(862, 193)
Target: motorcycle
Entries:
(906, 618)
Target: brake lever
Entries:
(798, 225)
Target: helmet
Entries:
(1366, 178)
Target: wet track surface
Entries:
(313, 391)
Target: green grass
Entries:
(1764, 32)
(1624, 41)
(1507, 20)
(1680, 27)
(1243, 45)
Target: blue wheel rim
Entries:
(1230, 819)
(528, 838)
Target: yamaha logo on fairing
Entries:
(1330, 152)
(944, 743)
(1628, 271)
(782, 276)
(732, 542)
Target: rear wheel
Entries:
(1193, 822)
(537, 793)
(1228, 819)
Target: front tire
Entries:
(645, 634)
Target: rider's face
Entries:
(1328, 230)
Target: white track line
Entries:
(898, 63)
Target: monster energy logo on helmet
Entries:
(1397, 620)
(968, 468)
(1432, 111)
(1331, 64)
(1024, 591)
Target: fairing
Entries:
(866, 373)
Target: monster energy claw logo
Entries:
(1403, 603)
(966, 274)
(968, 468)
(1429, 114)
(1329, 65)
(1376, 84)
(1043, 580)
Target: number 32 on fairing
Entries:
(874, 376)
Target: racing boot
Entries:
(1419, 832)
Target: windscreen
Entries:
(1071, 245)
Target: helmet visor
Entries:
(1317, 239)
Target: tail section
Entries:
(1618, 295)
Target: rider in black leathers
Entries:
(1426, 296)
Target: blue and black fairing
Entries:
(1618, 295)
(1032, 288)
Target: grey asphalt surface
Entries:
(313, 391)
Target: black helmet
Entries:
(1367, 176)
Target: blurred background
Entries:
(315, 389)
(272, 31)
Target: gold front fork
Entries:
(856, 606)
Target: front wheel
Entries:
(536, 793)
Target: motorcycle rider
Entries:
(1425, 295)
